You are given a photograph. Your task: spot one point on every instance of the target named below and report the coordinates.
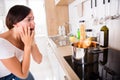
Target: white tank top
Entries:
(8, 50)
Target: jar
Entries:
(89, 33)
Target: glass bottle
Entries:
(82, 30)
(104, 36)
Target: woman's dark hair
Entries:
(16, 14)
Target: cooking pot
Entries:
(84, 53)
(86, 60)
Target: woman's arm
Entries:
(37, 56)
(20, 69)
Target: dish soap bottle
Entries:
(63, 30)
(78, 34)
(60, 30)
(104, 36)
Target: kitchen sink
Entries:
(60, 40)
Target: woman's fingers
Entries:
(26, 30)
(32, 33)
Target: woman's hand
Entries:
(27, 36)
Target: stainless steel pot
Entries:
(86, 60)
(79, 53)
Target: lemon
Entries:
(72, 39)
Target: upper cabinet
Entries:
(63, 2)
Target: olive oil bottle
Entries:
(104, 36)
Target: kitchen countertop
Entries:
(62, 51)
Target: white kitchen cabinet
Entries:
(58, 73)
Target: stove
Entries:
(90, 71)
(98, 65)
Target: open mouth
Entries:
(31, 29)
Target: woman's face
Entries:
(28, 21)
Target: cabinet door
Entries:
(58, 73)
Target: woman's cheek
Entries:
(20, 29)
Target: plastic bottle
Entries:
(63, 30)
(59, 30)
(78, 34)
(89, 33)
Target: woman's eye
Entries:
(29, 20)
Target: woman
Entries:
(17, 45)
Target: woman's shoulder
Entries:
(3, 35)
(4, 39)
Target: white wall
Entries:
(1, 7)
(73, 17)
(10, 3)
(40, 16)
(98, 12)
(2, 11)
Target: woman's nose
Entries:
(33, 23)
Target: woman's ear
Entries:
(15, 25)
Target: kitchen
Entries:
(68, 13)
